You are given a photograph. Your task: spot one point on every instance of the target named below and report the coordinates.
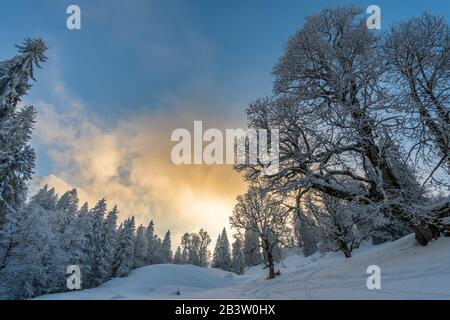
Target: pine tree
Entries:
(177, 258)
(238, 262)
(111, 238)
(84, 226)
(140, 247)
(124, 260)
(17, 158)
(100, 264)
(71, 238)
(166, 250)
(221, 255)
(151, 247)
(215, 259)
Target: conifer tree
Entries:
(221, 255)
(238, 263)
(124, 260)
(166, 250)
(177, 258)
(140, 247)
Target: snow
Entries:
(408, 271)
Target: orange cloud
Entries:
(130, 166)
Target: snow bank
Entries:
(155, 281)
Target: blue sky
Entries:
(131, 54)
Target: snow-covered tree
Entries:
(273, 249)
(341, 226)
(111, 238)
(140, 247)
(417, 52)
(304, 225)
(196, 248)
(17, 158)
(252, 248)
(334, 112)
(263, 213)
(238, 263)
(166, 249)
(177, 257)
(100, 264)
(124, 260)
(221, 255)
(152, 245)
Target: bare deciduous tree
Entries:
(260, 212)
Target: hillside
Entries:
(408, 271)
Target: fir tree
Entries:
(124, 260)
(140, 247)
(238, 263)
(100, 264)
(110, 240)
(166, 250)
(221, 255)
(177, 258)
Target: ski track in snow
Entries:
(408, 271)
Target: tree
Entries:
(26, 237)
(99, 262)
(221, 256)
(140, 247)
(304, 226)
(84, 227)
(124, 260)
(111, 238)
(238, 263)
(341, 226)
(166, 250)
(195, 248)
(271, 250)
(335, 120)
(418, 55)
(152, 247)
(264, 214)
(177, 258)
(17, 158)
(252, 248)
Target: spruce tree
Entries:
(124, 260)
(238, 263)
(140, 247)
(166, 250)
(221, 255)
(100, 264)
(110, 241)
(17, 158)
(178, 258)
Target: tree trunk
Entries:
(425, 232)
(270, 263)
(344, 248)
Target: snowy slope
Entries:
(408, 271)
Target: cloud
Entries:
(129, 163)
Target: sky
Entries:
(111, 93)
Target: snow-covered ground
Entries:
(408, 271)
